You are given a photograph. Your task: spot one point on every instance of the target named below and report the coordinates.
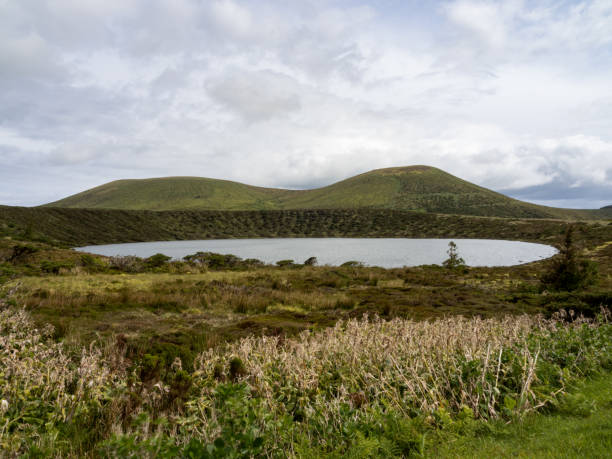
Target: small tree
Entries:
(312, 261)
(567, 270)
(454, 260)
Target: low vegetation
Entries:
(215, 356)
(79, 227)
(329, 393)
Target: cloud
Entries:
(512, 95)
(485, 20)
(256, 96)
(231, 18)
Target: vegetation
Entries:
(77, 227)
(567, 270)
(416, 188)
(579, 427)
(329, 393)
(216, 356)
(453, 261)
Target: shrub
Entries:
(21, 252)
(352, 264)
(567, 270)
(56, 267)
(157, 261)
(285, 263)
(92, 264)
(217, 260)
(127, 264)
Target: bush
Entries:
(567, 271)
(219, 261)
(352, 264)
(285, 263)
(92, 264)
(157, 261)
(127, 264)
(6, 272)
(56, 267)
(21, 251)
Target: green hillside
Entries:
(77, 227)
(174, 193)
(416, 188)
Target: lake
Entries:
(384, 252)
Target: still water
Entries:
(388, 253)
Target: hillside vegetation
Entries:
(416, 188)
(76, 227)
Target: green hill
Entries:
(417, 188)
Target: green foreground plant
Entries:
(363, 388)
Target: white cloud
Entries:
(511, 95)
(484, 19)
(231, 18)
(256, 96)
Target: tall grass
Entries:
(322, 391)
(452, 362)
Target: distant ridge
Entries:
(416, 188)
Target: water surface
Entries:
(385, 252)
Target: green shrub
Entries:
(219, 261)
(567, 270)
(21, 252)
(157, 261)
(285, 263)
(56, 267)
(352, 264)
(92, 264)
(6, 272)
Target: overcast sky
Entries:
(515, 96)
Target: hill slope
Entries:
(419, 188)
(173, 193)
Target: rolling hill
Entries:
(415, 188)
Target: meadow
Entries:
(220, 357)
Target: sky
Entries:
(515, 96)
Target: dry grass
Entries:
(448, 365)
(412, 364)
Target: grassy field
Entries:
(580, 428)
(414, 188)
(124, 357)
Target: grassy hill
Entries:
(174, 193)
(415, 188)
